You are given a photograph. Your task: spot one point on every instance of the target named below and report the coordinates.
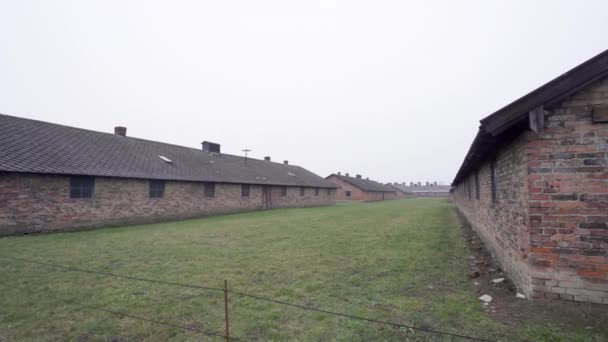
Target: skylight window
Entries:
(291, 174)
(165, 159)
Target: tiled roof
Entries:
(363, 184)
(422, 188)
(41, 147)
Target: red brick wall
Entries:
(502, 225)
(357, 194)
(37, 203)
(568, 181)
(549, 228)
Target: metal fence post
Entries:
(226, 310)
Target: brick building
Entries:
(400, 191)
(360, 189)
(55, 177)
(534, 185)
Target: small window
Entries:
(209, 189)
(348, 194)
(493, 181)
(302, 191)
(245, 190)
(283, 191)
(165, 159)
(81, 187)
(477, 184)
(469, 192)
(157, 188)
(328, 192)
(316, 191)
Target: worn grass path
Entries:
(401, 261)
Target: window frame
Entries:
(302, 191)
(245, 190)
(493, 181)
(80, 185)
(283, 191)
(347, 193)
(209, 189)
(156, 188)
(316, 191)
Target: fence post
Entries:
(226, 310)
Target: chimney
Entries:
(211, 147)
(347, 175)
(435, 184)
(366, 178)
(427, 183)
(419, 183)
(119, 130)
(286, 162)
(411, 183)
(267, 158)
(339, 173)
(359, 176)
(403, 184)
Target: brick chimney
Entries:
(411, 183)
(359, 176)
(286, 162)
(339, 173)
(347, 175)
(120, 130)
(403, 184)
(435, 183)
(427, 183)
(267, 158)
(211, 147)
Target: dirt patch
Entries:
(509, 309)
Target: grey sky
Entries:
(393, 90)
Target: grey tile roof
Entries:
(363, 184)
(422, 188)
(41, 147)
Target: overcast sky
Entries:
(393, 90)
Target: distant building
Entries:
(420, 190)
(534, 185)
(55, 177)
(359, 189)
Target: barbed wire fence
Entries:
(227, 292)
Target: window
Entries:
(157, 188)
(301, 191)
(468, 180)
(209, 189)
(245, 190)
(348, 194)
(328, 192)
(477, 184)
(81, 187)
(493, 180)
(283, 191)
(316, 191)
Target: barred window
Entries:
(283, 191)
(209, 189)
(81, 187)
(348, 194)
(157, 188)
(316, 191)
(301, 191)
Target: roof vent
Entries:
(339, 173)
(119, 130)
(359, 176)
(211, 147)
(286, 162)
(165, 159)
(347, 175)
(267, 158)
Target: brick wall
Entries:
(549, 229)
(40, 203)
(357, 194)
(501, 225)
(568, 181)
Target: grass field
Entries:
(401, 261)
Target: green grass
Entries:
(401, 261)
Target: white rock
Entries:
(485, 298)
(498, 280)
(520, 296)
